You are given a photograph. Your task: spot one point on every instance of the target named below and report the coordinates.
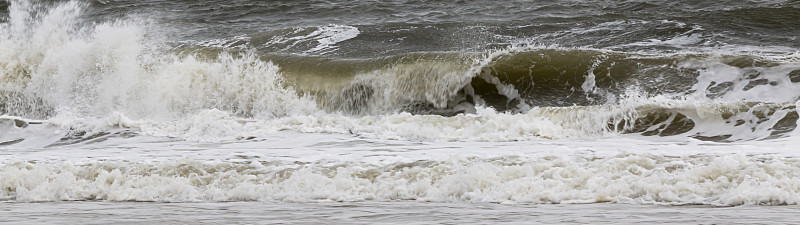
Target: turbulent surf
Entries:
(601, 107)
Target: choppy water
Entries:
(400, 104)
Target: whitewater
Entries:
(120, 112)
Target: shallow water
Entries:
(386, 213)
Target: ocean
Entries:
(408, 111)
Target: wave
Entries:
(123, 102)
(56, 67)
(662, 118)
(518, 77)
(639, 179)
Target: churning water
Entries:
(400, 106)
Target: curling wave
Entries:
(89, 77)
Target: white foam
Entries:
(237, 42)
(94, 71)
(325, 37)
(641, 179)
(539, 123)
(328, 36)
(714, 72)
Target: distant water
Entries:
(507, 106)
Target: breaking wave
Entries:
(66, 73)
